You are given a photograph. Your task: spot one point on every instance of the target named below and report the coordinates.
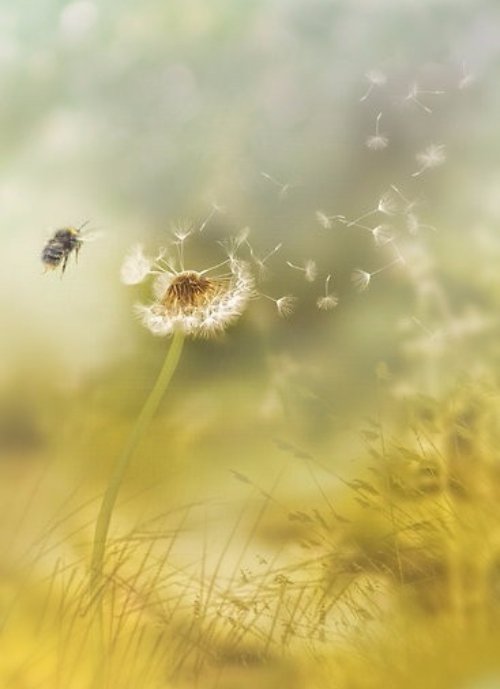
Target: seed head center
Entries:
(188, 289)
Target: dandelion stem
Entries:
(143, 420)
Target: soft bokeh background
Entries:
(134, 115)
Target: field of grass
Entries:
(383, 574)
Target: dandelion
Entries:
(186, 302)
(376, 78)
(377, 141)
(415, 92)
(310, 269)
(197, 303)
(135, 267)
(431, 157)
(361, 278)
(328, 301)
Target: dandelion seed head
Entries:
(360, 279)
(328, 302)
(135, 267)
(195, 303)
(377, 142)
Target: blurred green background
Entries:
(134, 115)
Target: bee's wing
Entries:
(91, 235)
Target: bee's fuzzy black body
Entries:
(60, 246)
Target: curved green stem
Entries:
(143, 420)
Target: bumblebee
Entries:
(60, 246)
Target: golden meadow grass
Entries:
(395, 567)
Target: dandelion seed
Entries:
(282, 187)
(431, 157)
(377, 141)
(215, 209)
(408, 204)
(376, 78)
(182, 230)
(467, 78)
(233, 244)
(328, 301)
(326, 220)
(242, 236)
(310, 269)
(415, 92)
(387, 205)
(323, 220)
(361, 278)
(382, 235)
(285, 305)
(414, 225)
(135, 267)
(261, 262)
